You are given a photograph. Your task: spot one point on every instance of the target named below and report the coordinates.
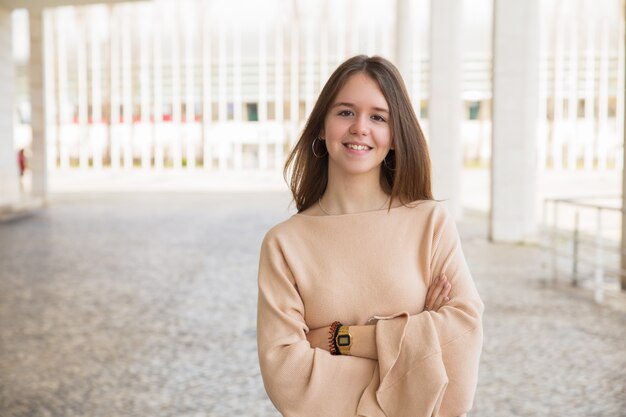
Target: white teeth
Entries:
(357, 147)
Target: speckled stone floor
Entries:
(144, 304)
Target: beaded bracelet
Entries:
(332, 333)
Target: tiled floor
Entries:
(145, 305)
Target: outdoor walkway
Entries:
(144, 304)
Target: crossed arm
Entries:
(364, 336)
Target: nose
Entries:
(360, 126)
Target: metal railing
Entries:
(567, 245)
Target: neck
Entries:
(347, 194)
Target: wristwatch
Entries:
(343, 340)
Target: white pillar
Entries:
(278, 95)
(176, 143)
(371, 39)
(603, 96)
(9, 174)
(542, 111)
(515, 105)
(619, 109)
(190, 99)
(557, 119)
(309, 95)
(158, 94)
(84, 148)
(294, 99)
(144, 135)
(96, 132)
(64, 104)
(354, 35)
(222, 73)
(572, 95)
(114, 128)
(262, 111)
(323, 54)
(590, 90)
(50, 95)
(207, 105)
(445, 107)
(127, 88)
(621, 44)
(237, 99)
(222, 95)
(38, 161)
(340, 36)
(408, 55)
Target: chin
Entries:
(360, 170)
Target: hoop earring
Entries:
(313, 148)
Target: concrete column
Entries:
(603, 96)
(340, 52)
(145, 36)
(207, 100)
(190, 95)
(294, 91)
(279, 95)
(309, 76)
(176, 142)
(354, 35)
(445, 106)
(157, 64)
(97, 130)
(65, 107)
(84, 147)
(262, 110)
(556, 146)
(573, 127)
(222, 70)
(622, 45)
(542, 111)
(515, 113)
(406, 37)
(127, 88)
(619, 109)
(9, 176)
(50, 95)
(237, 80)
(590, 78)
(323, 54)
(237, 95)
(114, 128)
(38, 161)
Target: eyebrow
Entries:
(380, 109)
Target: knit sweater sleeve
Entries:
(301, 381)
(428, 362)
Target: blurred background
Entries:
(142, 146)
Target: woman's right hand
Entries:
(437, 294)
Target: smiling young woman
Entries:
(366, 306)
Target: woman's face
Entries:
(356, 127)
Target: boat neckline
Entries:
(349, 214)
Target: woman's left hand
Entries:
(318, 338)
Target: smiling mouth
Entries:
(357, 147)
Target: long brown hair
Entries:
(405, 172)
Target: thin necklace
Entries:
(319, 202)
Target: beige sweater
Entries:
(314, 270)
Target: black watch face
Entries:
(343, 340)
